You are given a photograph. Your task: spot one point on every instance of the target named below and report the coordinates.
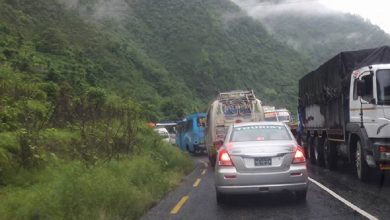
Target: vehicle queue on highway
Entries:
(252, 153)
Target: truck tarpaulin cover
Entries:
(332, 78)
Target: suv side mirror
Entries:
(360, 87)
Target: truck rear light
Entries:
(224, 158)
(299, 157)
(218, 144)
(383, 149)
(384, 166)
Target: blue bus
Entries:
(190, 133)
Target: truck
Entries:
(344, 111)
(284, 115)
(228, 108)
(270, 113)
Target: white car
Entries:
(163, 132)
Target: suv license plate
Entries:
(263, 161)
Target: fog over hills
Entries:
(311, 28)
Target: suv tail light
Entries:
(224, 158)
(299, 157)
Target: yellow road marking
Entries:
(204, 171)
(196, 184)
(178, 206)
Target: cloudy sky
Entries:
(377, 11)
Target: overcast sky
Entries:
(377, 11)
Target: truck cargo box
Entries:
(324, 92)
(333, 77)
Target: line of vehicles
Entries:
(343, 113)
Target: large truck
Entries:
(344, 111)
(228, 108)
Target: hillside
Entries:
(207, 47)
(316, 32)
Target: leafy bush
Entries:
(121, 189)
(8, 148)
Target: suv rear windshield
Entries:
(260, 133)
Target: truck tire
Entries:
(311, 150)
(212, 161)
(319, 150)
(197, 150)
(305, 145)
(362, 169)
(330, 155)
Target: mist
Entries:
(101, 9)
(262, 9)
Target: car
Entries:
(163, 132)
(171, 128)
(260, 157)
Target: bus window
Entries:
(201, 122)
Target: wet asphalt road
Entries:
(373, 197)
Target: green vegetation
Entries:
(213, 46)
(80, 79)
(119, 189)
(73, 110)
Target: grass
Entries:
(119, 189)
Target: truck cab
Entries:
(370, 109)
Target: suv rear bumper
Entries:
(253, 189)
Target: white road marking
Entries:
(196, 183)
(204, 163)
(346, 202)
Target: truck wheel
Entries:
(318, 150)
(197, 150)
(305, 145)
(330, 155)
(362, 169)
(212, 161)
(311, 150)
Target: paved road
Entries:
(373, 198)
